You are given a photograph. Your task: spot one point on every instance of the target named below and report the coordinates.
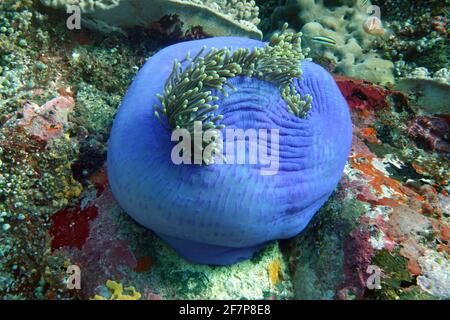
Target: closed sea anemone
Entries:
(221, 212)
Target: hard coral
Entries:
(350, 26)
(221, 214)
(217, 18)
(429, 95)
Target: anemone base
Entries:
(203, 253)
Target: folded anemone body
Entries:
(223, 213)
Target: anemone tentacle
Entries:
(188, 92)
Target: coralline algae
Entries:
(222, 214)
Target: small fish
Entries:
(324, 40)
(363, 3)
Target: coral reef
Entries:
(385, 216)
(344, 22)
(112, 246)
(216, 18)
(419, 34)
(59, 90)
(387, 212)
(404, 36)
(42, 137)
(35, 180)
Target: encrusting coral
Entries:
(216, 18)
(117, 292)
(204, 212)
(428, 93)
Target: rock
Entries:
(431, 132)
(372, 69)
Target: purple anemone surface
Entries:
(222, 214)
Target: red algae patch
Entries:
(70, 227)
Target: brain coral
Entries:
(342, 21)
(223, 213)
(217, 18)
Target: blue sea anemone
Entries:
(223, 213)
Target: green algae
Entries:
(394, 268)
(248, 279)
(396, 282)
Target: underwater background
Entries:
(65, 66)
